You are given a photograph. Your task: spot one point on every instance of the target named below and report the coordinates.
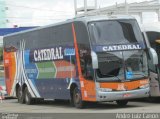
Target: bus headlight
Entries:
(144, 86)
(105, 89)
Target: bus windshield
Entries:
(110, 65)
(115, 32)
(124, 65)
(135, 64)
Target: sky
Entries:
(43, 12)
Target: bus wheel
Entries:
(28, 98)
(77, 98)
(151, 99)
(122, 103)
(20, 96)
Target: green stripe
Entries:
(46, 70)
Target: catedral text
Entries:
(48, 54)
(122, 47)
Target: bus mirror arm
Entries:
(94, 60)
(153, 55)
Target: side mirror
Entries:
(94, 60)
(153, 55)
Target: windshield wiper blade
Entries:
(114, 76)
(139, 74)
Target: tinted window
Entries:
(46, 37)
(84, 49)
(152, 37)
(63, 35)
(115, 32)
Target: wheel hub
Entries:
(26, 98)
(77, 98)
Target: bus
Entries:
(152, 36)
(85, 59)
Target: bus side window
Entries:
(158, 51)
(151, 66)
(84, 50)
(152, 37)
(89, 72)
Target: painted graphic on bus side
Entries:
(50, 63)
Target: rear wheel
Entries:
(122, 103)
(152, 99)
(28, 98)
(20, 96)
(77, 99)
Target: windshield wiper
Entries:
(106, 76)
(114, 76)
(139, 74)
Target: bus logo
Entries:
(118, 47)
(69, 51)
(122, 47)
(48, 54)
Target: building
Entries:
(145, 12)
(2, 14)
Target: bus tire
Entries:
(27, 96)
(71, 102)
(151, 99)
(77, 99)
(20, 96)
(122, 103)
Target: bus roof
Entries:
(154, 26)
(102, 17)
(84, 19)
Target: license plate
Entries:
(127, 95)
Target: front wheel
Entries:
(122, 103)
(77, 98)
(28, 98)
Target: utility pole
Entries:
(85, 8)
(141, 17)
(126, 7)
(158, 11)
(75, 6)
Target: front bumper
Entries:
(122, 95)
